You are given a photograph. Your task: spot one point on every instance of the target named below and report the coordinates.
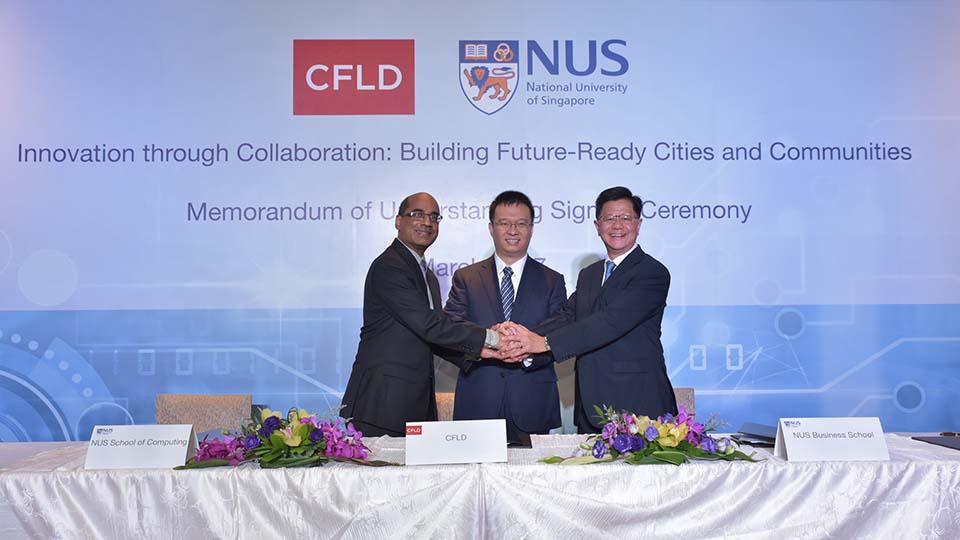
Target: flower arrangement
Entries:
(638, 440)
(298, 440)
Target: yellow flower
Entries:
(267, 413)
(642, 423)
(291, 436)
(674, 434)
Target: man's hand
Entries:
(490, 353)
(518, 343)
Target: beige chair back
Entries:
(445, 406)
(205, 412)
(687, 398)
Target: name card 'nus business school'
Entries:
(831, 439)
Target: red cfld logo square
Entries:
(353, 76)
(414, 430)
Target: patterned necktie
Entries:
(610, 266)
(506, 292)
(423, 267)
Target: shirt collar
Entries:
(517, 267)
(412, 252)
(620, 258)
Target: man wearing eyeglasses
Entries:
(508, 286)
(611, 323)
(392, 379)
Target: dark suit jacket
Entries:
(493, 389)
(614, 330)
(392, 379)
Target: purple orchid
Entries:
(229, 448)
(682, 416)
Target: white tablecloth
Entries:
(915, 495)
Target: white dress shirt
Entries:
(616, 262)
(517, 268)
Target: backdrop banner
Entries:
(192, 194)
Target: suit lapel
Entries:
(529, 281)
(491, 286)
(632, 259)
(411, 262)
(434, 289)
(594, 273)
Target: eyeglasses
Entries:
(420, 215)
(626, 219)
(507, 225)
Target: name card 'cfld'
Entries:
(461, 441)
(831, 439)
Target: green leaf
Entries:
(272, 456)
(192, 464)
(586, 460)
(366, 462)
(290, 462)
(643, 459)
(552, 460)
(740, 456)
(668, 456)
(698, 453)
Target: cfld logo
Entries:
(353, 76)
(414, 430)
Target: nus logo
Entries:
(353, 76)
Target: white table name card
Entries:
(831, 439)
(461, 441)
(141, 447)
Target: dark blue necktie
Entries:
(606, 275)
(423, 267)
(506, 292)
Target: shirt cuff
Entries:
(492, 340)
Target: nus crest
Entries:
(490, 73)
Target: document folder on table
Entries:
(949, 442)
(756, 434)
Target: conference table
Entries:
(46, 493)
